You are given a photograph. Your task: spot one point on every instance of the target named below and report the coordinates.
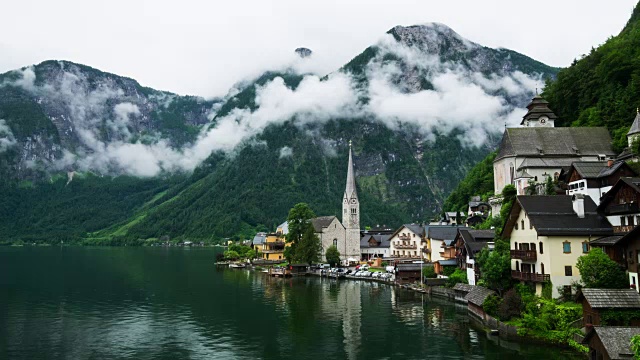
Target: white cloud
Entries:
(6, 136)
(285, 152)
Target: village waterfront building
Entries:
(409, 242)
(530, 154)
(547, 236)
(468, 244)
(610, 342)
(441, 239)
(375, 246)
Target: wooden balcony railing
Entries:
(406, 246)
(525, 255)
(518, 275)
(629, 208)
(404, 237)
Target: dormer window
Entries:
(540, 151)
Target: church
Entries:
(344, 235)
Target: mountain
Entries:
(421, 107)
(602, 88)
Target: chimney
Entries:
(578, 205)
(610, 163)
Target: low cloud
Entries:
(476, 103)
(286, 152)
(6, 136)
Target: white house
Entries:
(409, 242)
(468, 244)
(547, 236)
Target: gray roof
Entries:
(596, 169)
(381, 240)
(321, 222)
(611, 298)
(448, 262)
(285, 227)
(615, 339)
(350, 189)
(418, 229)
(537, 108)
(635, 127)
(553, 142)
(443, 232)
(259, 238)
(536, 162)
(478, 294)
(606, 240)
(553, 215)
(409, 266)
(476, 240)
(463, 287)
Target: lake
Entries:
(174, 303)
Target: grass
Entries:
(376, 269)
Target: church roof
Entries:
(635, 127)
(538, 107)
(555, 142)
(350, 189)
(321, 222)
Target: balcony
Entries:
(273, 251)
(622, 229)
(406, 246)
(518, 275)
(629, 208)
(524, 255)
(426, 250)
(404, 237)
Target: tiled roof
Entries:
(632, 182)
(259, 238)
(478, 294)
(595, 169)
(615, 339)
(463, 287)
(606, 240)
(536, 162)
(409, 267)
(553, 215)
(321, 222)
(476, 240)
(611, 298)
(552, 141)
(443, 232)
(381, 240)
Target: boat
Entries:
(237, 265)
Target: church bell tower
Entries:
(351, 213)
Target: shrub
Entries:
(511, 305)
(429, 272)
(456, 277)
(491, 305)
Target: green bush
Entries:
(491, 305)
(429, 272)
(458, 276)
(511, 305)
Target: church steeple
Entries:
(539, 114)
(350, 202)
(634, 131)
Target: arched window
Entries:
(522, 224)
(335, 242)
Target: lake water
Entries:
(173, 303)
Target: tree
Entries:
(635, 346)
(495, 266)
(429, 272)
(231, 255)
(332, 255)
(309, 248)
(458, 276)
(599, 271)
(549, 188)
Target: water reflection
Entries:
(173, 304)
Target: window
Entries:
(530, 225)
(623, 221)
(541, 248)
(566, 247)
(516, 225)
(335, 242)
(568, 271)
(522, 224)
(533, 246)
(585, 247)
(630, 220)
(542, 268)
(517, 266)
(515, 247)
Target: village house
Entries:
(530, 154)
(548, 234)
(596, 302)
(408, 273)
(375, 246)
(409, 242)
(610, 342)
(594, 178)
(273, 246)
(443, 252)
(468, 244)
(625, 250)
(258, 240)
(460, 291)
(478, 207)
(620, 205)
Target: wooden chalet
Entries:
(610, 342)
(408, 273)
(596, 301)
(620, 205)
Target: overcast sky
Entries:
(202, 47)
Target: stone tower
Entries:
(351, 214)
(539, 114)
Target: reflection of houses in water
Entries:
(406, 306)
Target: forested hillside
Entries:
(600, 89)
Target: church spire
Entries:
(350, 190)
